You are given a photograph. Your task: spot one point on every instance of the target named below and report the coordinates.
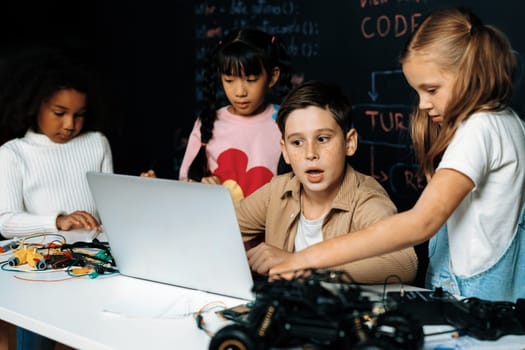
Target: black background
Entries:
(145, 52)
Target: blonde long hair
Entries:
(482, 59)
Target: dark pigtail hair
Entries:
(280, 52)
(248, 52)
(199, 167)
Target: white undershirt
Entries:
(309, 232)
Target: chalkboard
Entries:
(356, 44)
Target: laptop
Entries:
(180, 233)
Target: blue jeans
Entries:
(27, 340)
(504, 281)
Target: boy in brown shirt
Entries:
(323, 197)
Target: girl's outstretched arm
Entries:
(441, 197)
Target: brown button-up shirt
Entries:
(273, 212)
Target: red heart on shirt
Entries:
(232, 164)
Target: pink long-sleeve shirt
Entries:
(244, 151)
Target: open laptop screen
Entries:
(174, 232)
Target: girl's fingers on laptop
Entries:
(149, 173)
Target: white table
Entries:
(117, 312)
(94, 314)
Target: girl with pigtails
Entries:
(237, 145)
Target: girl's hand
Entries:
(214, 180)
(149, 173)
(77, 219)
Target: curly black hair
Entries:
(29, 78)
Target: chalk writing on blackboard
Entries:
(216, 19)
(384, 129)
(382, 110)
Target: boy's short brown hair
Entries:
(319, 94)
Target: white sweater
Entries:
(40, 179)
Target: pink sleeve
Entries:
(192, 148)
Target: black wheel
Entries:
(234, 337)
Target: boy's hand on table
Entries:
(292, 267)
(264, 256)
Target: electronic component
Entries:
(324, 311)
(486, 320)
(424, 305)
(94, 257)
(237, 313)
(9, 246)
(320, 309)
(28, 255)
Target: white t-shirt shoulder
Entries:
(489, 148)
